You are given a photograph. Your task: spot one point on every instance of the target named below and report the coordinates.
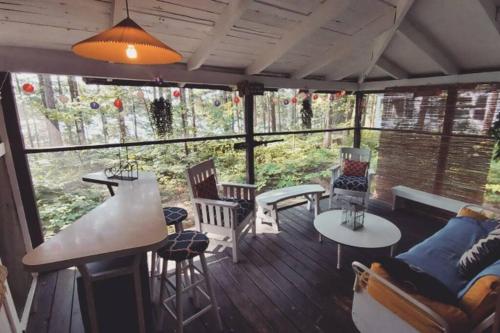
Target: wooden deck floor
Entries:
(285, 282)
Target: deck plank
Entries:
(285, 281)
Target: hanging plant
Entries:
(495, 132)
(28, 88)
(160, 111)
(94, 105)
(306, 113)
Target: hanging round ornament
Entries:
(217, 103)
(286, 101)
(236, 100)
(28, 88)
(294, 100)
(315, 96)
(177, 93)
(332, 97)
(94, 105)
(140, 94)
(63, 99)
(118, 103)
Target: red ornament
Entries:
(236, 100)
(315, 96)
(177, 93)
(118, 103)
(294, 100)
(28, 88)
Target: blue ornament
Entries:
(94, 105)
(217, 103)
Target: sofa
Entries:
(383, 304)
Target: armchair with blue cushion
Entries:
(351, 185)
(385, 302)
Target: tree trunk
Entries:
(278, 110)
(273, 113)
(79, 122)
(183, 118)
(49, 103)
(237, 113)
(134, 113)
(190, 102)
(25, 114)
(327, 139)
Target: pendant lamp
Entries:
(126, 43)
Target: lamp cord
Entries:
(126, 6)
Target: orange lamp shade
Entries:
(126, 43)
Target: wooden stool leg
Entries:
(178, 297)
(210, 290)
(196, 300)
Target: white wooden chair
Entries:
(355, 154)
(222, 217)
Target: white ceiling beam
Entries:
(59, 62)
(321, 15)
(117, 11)
(225, 22)
(427, 45)
(381, 42)
(490, 9)
(484, 77)
(390, 68)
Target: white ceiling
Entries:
(319, 39)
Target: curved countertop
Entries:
(128, 223)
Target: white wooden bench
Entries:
(267, 202)
(425, 198)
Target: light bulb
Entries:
(131, 52)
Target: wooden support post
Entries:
(249, 139)
(23, 175)
(358, 110)
(444, 145)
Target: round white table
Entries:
(377, 232)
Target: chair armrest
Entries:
(238, 185)
(220, 203)
(364, 273)
(335, 167)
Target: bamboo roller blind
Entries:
(439, 140)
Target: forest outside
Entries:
(65, 111)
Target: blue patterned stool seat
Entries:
(174, 215)
(353, 183)
(184, 245)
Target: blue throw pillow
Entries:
(439, 254)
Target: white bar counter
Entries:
(129, 223)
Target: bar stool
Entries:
(182, 247)
(173, 216)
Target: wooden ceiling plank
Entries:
(383, 40)
(321, 15)
(226, 20)
(391, 68)
(490, 9)
(117, 11)
(434, 51)
(345, 46)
